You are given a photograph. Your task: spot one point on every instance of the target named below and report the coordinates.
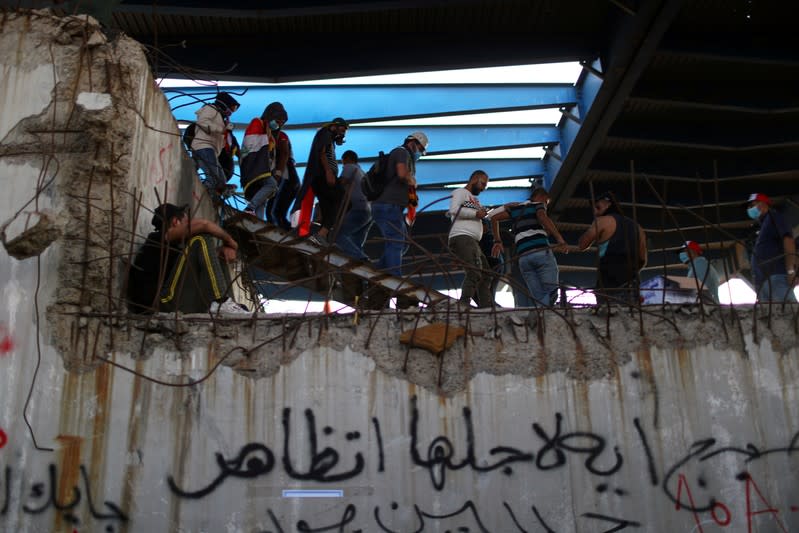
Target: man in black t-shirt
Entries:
(178, 267)
(622, 251)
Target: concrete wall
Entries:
(671, 420)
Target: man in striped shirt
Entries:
(532, 229)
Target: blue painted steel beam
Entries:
(368, 141)
(438, 199)
(458, 170)
(446, 171)
(315, 104)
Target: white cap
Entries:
(421, 138)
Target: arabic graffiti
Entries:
(553, 453)
(699, 484)
(465, 518)
(42, 496)
(442, 455)
(256, 459)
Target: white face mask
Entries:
(753, 212)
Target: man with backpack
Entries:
(388, 207)
(209, 140)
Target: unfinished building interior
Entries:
(655, 418)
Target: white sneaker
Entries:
(228, 307)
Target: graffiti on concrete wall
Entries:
(686, 483)
(555, 448)
(38, 496)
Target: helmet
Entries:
(421, 138)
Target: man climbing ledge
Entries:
(178, 267)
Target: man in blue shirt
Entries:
(774, 256)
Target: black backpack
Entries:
(373, 182)
(188, 134)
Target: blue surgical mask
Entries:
(683, 257)
(417, 156)
(753, 212)
(274, 125)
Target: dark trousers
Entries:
(331, 200)
(278, 207)
(617, 282)
(197, 279)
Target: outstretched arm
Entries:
(197, 226)
(590, 236)
(545, 221)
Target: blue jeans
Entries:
(776, 289)
(391, 223)
(540, 273)
(266, 190)
(208, 162)
(353, 231)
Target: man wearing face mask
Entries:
(321, 175)
(774, 256)
(387, 209)
(258, 160)
(209, 140)
(465, 233)
(700, 269)
(284, 170)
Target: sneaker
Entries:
(318, 240)
(228, 307)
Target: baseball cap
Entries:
(167, 212)
(758, 197)
(693, 246)
(421, 138)
(338, 121)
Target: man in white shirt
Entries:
(467, 215)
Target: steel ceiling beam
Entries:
(712, 106)
(313, 105)
(368, 141)
(636, 41)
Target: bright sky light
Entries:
(542, 73)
